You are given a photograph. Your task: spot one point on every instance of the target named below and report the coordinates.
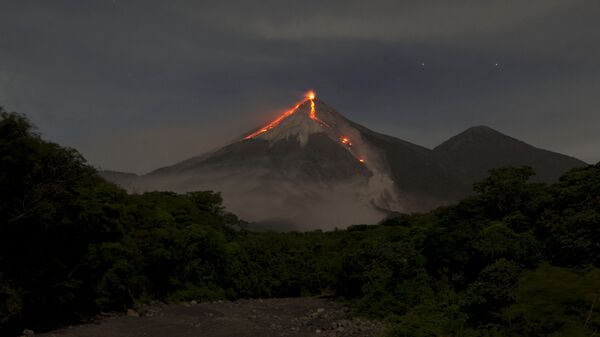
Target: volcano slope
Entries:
(312, 168)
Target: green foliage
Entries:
(493, 290)
(10, 302)
(516, 259)
(571, 221)
(436, 315)
(506, 190)
(553, 301)
(386, 277)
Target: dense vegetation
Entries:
(517, 259)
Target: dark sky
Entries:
(135, 85)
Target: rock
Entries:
(272, 317)
(28, 332)
(193, 302)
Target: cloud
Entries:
(88, 72)
(387, 20)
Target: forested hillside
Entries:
(517, 259)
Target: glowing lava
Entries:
(346, 141)
(313, 111)
(310, 96)
(275, 122)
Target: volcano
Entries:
(312, 168)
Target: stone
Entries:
(132, 313)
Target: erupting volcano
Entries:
(306, 166)
(311, 167)
(300, 127)
(310, 97)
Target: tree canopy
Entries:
(516, 259)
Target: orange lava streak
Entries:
(346, 141)
(310, 96)
(275, 122)
(313, 112)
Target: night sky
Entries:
(135, 85)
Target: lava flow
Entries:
(310, 96)
(275, 122)
(346, 141)
(313, 112)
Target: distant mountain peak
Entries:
(480, 148)
(481, 128)
(479, 136)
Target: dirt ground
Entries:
(245, 318)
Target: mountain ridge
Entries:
(477, 149)
(317, 168)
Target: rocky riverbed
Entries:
(244, 318)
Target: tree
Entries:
(554, 301)
(506, 190)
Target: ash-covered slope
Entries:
(425, 181)
(297, 148)
(478, 149)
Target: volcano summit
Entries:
(313, 168)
